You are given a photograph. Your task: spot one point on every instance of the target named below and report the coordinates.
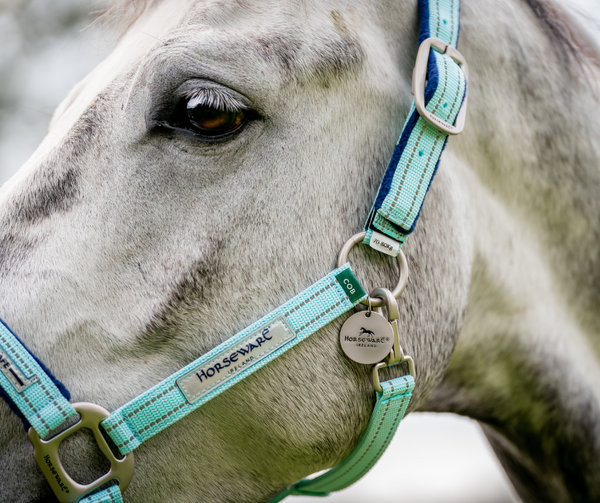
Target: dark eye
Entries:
(208, 121)
(210, 113)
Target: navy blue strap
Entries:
(417, 154)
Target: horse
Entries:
(132, 241)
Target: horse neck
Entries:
(526, 363)
(535, 100)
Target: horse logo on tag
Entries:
(366, 337)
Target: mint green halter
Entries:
(439, 87)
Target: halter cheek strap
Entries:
(439, 87)
(417, 154)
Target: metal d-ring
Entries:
(402, 263)
(65, 488)
(375, 375)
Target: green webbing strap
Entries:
(389, 410)
(393, 216)
(190, 387)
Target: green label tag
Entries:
(350, 285)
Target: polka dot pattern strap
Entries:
(417, 154)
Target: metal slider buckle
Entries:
(419, 78)
(380, 365)
(46, 455)
(375, 302)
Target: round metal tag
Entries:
(366, 337)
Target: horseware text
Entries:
(231, 362)
(63, 487)
(233, 357)
(366, 342)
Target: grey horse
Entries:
(133, 242)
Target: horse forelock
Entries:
(555, 20)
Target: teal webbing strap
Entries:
(394, 215)
(417, 153)
(41, 402)
(201, 380)
(389, 410)
(110, 495)
(30, 387)
(439, 19)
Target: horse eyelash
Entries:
(213, 98)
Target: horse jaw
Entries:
(127, 253)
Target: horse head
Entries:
(210, 169)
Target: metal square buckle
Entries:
(419, 78)
(46, 455)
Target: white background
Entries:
(44, 51)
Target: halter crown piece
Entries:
(42, 402)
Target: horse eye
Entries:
(208, 121)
